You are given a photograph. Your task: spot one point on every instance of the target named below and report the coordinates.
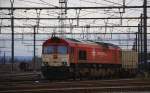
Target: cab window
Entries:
(48, 50)
(62, 50)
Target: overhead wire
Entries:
(111, 2)
(43, 3)
(92, 2)
(32, 2)
(33, 13)
(101, 3)
(27, 17)
(106, 13)
(48, 3)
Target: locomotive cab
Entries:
(55, 57)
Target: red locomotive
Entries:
(66, 58)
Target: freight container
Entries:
(129, 59)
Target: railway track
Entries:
(21, 76)
(92, 86)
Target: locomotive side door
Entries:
(72, 55)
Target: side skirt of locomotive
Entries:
(55, 73)
(96, 71)
(85, 71)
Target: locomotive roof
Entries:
(70, 40)
(83, 41)
(94, 42)
(74, 40)
(107, 44)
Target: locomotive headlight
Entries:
(64, 63)
(45, 63)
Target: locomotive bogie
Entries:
(52, 73)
